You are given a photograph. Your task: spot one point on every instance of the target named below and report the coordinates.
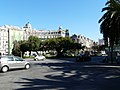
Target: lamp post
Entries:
(8, 42)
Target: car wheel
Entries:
(35, 60)
(44, 59)
(4, 69)
(27, 66)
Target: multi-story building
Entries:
(84, 41)
(28, 30)
(9, 34)
(43, 34)
(3, 40)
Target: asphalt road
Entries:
(63, 74)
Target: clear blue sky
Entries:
(79, 16)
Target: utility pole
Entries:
(8, 42)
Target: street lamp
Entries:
(8, 42)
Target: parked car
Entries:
(12, 62)
(111, 57)
(83, 57)
(39, 57)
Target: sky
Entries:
(79, 16)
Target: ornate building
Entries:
(84, 41)
(9, 34)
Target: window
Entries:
(10, 58)
(18, 59)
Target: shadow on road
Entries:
(75, 76)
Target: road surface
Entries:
(63, 74)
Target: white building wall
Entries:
(85, 41)
(3, 40)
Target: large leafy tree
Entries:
(110, 23)
(16, 48)
(23, 47)
(61, 45)
(34, 43)
(19, 48)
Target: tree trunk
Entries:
(111, 53)
(29, 53)
(22, 54)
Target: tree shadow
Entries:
(75, 76)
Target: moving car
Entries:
(12, 62)
(39, 57)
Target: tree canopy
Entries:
(61, 45)
(110, 22)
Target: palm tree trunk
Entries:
(111, 53)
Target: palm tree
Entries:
(110, 23)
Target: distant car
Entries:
(39, 57)
(83, 57)
(109, 58)
(12, 62)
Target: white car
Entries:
(12, 62)
(39, 57)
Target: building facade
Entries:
(84, 41)
(43, 34)
(10, 34)
(3, 40)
